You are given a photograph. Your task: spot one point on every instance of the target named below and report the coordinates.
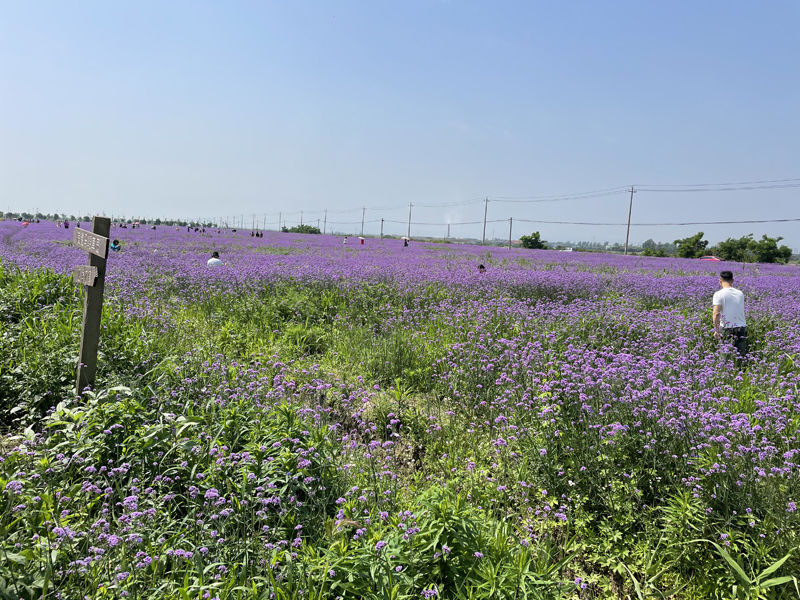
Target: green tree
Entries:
(301, 229)
(533, 241)
(692, 247)
(738, 250)
(768, 251)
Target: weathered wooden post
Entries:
(93, 277)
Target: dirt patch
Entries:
(7, 444)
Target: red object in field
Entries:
(362, 240)
(26, 223)
(712, 258)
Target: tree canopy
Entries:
(533, 241)
(301, 229)
(747, 249)
(692, 247)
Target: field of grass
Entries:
(322, 421)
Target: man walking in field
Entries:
(728, 313)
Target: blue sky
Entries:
(200, 109)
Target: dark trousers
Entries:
(738, 337)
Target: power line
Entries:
(661, 224)
(420, 222)
(347, 210)
(355, 222)
(762, 184)
(735, 183)
(719, 189)
(559, 197)
(448, 204)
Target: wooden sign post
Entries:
(93, 277)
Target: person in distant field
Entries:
(214, 261)
(115, 246)
(405, 243)
(728, 313)
(344, 242)
(481, 269)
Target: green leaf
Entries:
(636, 587)
(735, 566)
(16, 558)
(776, 581)
(774, 566)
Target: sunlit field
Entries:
(321, 420)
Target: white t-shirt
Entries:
(732, 302)
(214, 262)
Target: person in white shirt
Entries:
(214, 261)
(728, 313)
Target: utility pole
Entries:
(628, 230)
(325, 222)
(381, 227)
(301, 217)
(409, 220)
(485, 210)
(363, 210)
(510, 221)
(448, 232)
(279, 221)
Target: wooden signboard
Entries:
(85, 274)
(91, 242)
(93, 277)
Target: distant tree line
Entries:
(26, 216)
(301, 229)
(743, 249)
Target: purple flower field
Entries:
(374, 421)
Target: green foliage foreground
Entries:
(291, 444)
